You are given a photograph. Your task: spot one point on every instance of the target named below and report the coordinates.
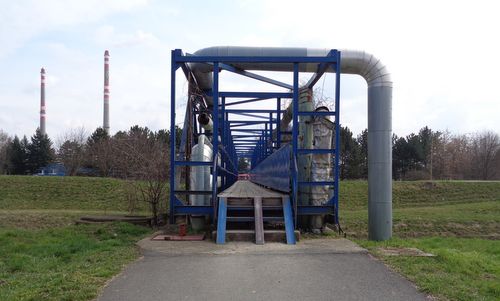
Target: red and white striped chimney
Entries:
(42, 101)
(106, 92)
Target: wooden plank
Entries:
(245, 189)
(259, 222)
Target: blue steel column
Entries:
(266, 139)
(295, 130)
(172, 136)
(278, 123)
(224, 140)
(271, 132)
(215, 131)
(337, 134)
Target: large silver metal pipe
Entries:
(379, 115)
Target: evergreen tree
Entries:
(425, 136)
(99, 152)
(363, 149)
(350, 155)
(39, 151)
(97, 136)
(17, 156)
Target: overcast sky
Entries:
(443, 56)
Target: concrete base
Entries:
(249, 235)
(309, 246)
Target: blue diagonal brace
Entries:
(288, 214)
(221, 221)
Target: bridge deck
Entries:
(247, 189)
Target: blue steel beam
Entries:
(174, 66)
(321, 70)
(230, 111)
(255, 59)
(215, 140)
(318, 113)
(337, 136)
(251, 115)
(255, 94)
(246, 101)
(255, 76)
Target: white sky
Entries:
(443, 56)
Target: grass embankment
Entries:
(67, 193)
(462, 269)
(43, 255)
(458, 221)
(67, 263)
(442, 208)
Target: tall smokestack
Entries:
(42, 101)
(106, 92)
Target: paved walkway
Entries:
(320, 269)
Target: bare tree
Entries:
(484, 147)
(71, 149)
(142, 159)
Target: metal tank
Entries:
(200, 178)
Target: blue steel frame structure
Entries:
(265, 150)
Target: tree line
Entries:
(427, 154)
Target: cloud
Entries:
(22, 20)
(107, 36)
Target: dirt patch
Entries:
(389, 251)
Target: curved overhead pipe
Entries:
(379, 115)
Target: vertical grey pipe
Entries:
(379, 162)
(105, 124)
(379, 115)
(42, 102)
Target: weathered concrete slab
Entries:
(340, 245)
(322, 269)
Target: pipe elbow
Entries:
(367, 65)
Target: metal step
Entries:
(250, 208)
(252, 219)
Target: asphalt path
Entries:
(311, 271)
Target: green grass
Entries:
(354, 194)
(67, 263)
(458, 221)
(43, 256)
(481, 219)
(82, 193)
(463, 268)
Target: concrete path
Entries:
(319, 269)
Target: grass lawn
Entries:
(65, 263)
(43, 255)
(463, 268)
(459, 222)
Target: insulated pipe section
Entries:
(206, 122)
(379, 115)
